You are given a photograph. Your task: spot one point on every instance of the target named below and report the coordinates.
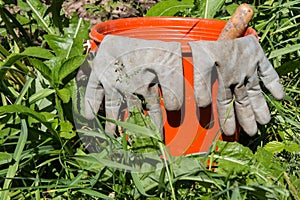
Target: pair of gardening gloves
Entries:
(128, 72)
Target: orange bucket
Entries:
(190, 130)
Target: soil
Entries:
(97, 11)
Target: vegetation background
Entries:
(42, 157)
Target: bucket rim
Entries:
(157, 21)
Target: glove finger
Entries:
(257, 100)
(93, 96)
(244, 111)
(172, 91)
(170, 76)
(203, 66)
(153, 107)
(163, 60)
(133, 100)
(270, 79)
(112, 111)
(268, 74)
(225, 109)
(149, 97)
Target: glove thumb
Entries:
(93, 96)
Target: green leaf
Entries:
(236, 195)
(264, 157)
(217, 181)
(41, 94)
(274, 147)
(169, 7)
(184, 166)
(78, 30)
(39, 10)
(231, 8)
(23, 20)
(54, 64)
(94, 159)
(5, 158)
(139, 118)
(23, 110)
(284, 50)
(21, 141)
(59, 44)
(139, 130)
(70, 44)
(20, 109)
(13, 23)
(64, 94)
(212, 7)
(23, 6)
(24, 90)
(94, 134)
(12, 170)
(138, 184)
(94, 193)
(291, 146)
(70, 66)
(37, 52)
(208, 9)
(41, 67)
(6, 132)
(233, 157)
(66, 130)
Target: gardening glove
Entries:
(128, 72)
(239, 63)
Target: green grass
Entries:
(42, 157)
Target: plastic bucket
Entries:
(190, 130)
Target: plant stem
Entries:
(292, 188)
(58, 106)
(45, 25)
(164, 154)
(206, 9)
(24, 90)
(75, 35)
(12, 169)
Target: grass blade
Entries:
(39, 95)
(69, 66)
(24, 90)
(29, 112)
(285, 50)
(94, 193)
(12, 170)
(138, 184)
(137, 129)
(75, 35)
(22, 109)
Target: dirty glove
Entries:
(238, 63)
(128, 71)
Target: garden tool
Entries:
(128, 72)
(237, 25)
(238, 63)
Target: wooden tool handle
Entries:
(238, 23)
